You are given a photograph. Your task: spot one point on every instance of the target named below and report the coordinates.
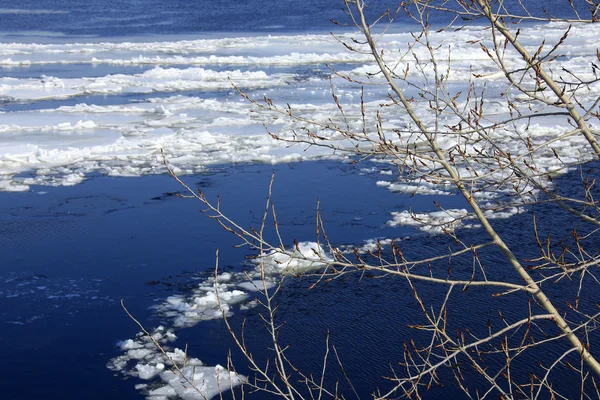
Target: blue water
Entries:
(68, 255)
(144, 17)
(134, 17)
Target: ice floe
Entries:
(155, 80)
(61, 143)
(437, 222)
(171, 373)
(148, 356)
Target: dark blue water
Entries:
(145, 17)
(134, 17)
(67, 256)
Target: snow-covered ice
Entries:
(177, 95)
(177, 374)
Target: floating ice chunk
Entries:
(434, 222)
(257, 285)
(12, 186)
(156, 79)
(305, 256)
(146, 371)
(72, 179)
(160, 109)
(503, 213)
(192, 381)
(160, 132)
(162, 392)
(437, 222)
(422, 188)
(201, 382)
(372, 245)
(7, 151)
(202, 304)
(139, 353)
(85, 125)
(169, 120)
(65, 126)
(129, 344)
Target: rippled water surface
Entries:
(91, 92)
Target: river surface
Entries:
(91, 92)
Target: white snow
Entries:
(175, 372)
(441, 221)
(60, 144)
(204, 304)
(304, 257)
(155, 80)
(432, 222)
